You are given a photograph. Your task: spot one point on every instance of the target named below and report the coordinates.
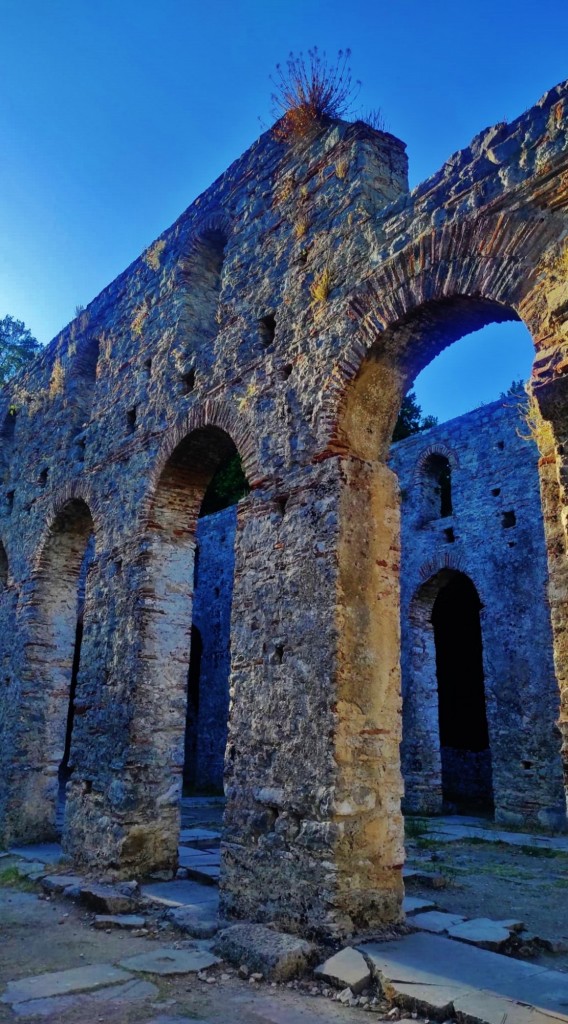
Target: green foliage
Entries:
(516, 389)
(17, 347)
(410, 419)
(227, 486)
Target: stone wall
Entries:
(494, 474)
(495, 536)
(282, 316)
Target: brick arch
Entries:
(71, 492)
(213, 221)
(211, 413)
(435, 449)
(447, 283)
(441, 560)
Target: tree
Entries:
(410, 419)
(227, 486)
(17, 347)
(516, 389)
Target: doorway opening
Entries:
(464, 737)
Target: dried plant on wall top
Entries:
(309, 91)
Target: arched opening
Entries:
(201, 280)
(464, 737)
(437, 487)
(185, 691)
(66, 765)
(445, 748)
(62, 616)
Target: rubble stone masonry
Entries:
(283, 315)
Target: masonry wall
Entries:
(283, 315)
(495, 536)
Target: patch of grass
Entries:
(414, 828)
(540, 851)
(11, 878)
(342, 168)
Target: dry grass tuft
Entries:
(321, 286)
(309, 91)
(374, 118)
(57, 379)
(138, 320)
(342, 168)
(301, 226)
(152, 255)
(536, 429)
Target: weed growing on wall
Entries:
(153, 253)
(321, 286)
(309, 91)
(57, 379)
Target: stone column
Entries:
(313, 836)
(552, 437)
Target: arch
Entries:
(211, 413)
(436, 449)
(58, 602)
(436, 487)
(445, 748)
(448, 283)
(180, 479)
(71, 495)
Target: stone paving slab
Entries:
(436, 921)
(130, 992)
(440, 970)
(125, 921)
(198, 835)
(167, 960)
(46, 853)
(412, 905)
(207, 873)
(346, 969)
(449, 831)
(481, 931)
(179, 893)
(189, 856)
(58, 983)
(59, 883)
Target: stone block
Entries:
(348, 968)
(107, 899)
(200, 921)
(276, 955)
(60, 883)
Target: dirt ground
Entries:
(39, 936)
(485, 879)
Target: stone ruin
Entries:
(282, 317)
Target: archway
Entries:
(169, 720)
(61, 614)
(402, 335)
(446, 757)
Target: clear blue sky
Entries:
(116, 114)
